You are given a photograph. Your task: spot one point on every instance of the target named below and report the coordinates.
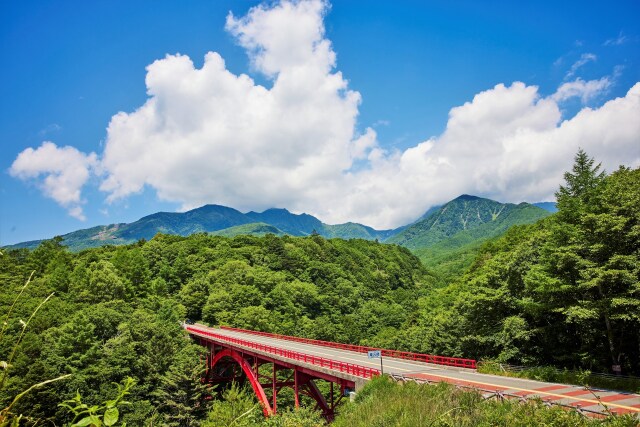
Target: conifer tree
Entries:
(181, 396)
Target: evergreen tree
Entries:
(580, 186)
(181, 395)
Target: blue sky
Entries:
(418, 105)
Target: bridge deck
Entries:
(617, 402)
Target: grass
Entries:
(565, 376)
(386, 403)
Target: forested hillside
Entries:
(447, 238)
(564, 292)
(483, 217)
(116, 311)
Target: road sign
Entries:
(376, 354)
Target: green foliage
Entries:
(238, 408)
(106, 414)
(8, 416)
(302, 417)
(181, 393)
(384, 403)
(563, 292)
(580, 189)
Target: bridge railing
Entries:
(348, 368)
(418, 357)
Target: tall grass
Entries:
(383, 403)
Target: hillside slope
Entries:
(453, 255)
(254, 229)
(447, 239)
(475, 216)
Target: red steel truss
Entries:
(227, 354)
(426, 358)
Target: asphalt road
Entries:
(571, 395)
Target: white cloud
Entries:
(62, 171)
(621, 39)
(288, 36)
(209, 136)
(584, 59)
(508, 144)
(53, 127)
(585, 90)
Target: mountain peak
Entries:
(466, 197)
(211, 207)
(294, 224)
(466, 213)
(277, 210)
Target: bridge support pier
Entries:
(222, 364)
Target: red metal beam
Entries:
(327, 412)
(296, 390)
(257, 388)
(273, 387)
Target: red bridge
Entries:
(303, 362)
(272, 362)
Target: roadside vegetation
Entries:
(389, 404)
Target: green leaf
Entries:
(111, 416)
(88, 421)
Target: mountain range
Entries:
(443, 238)
(213, 219)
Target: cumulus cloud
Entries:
(585, 90)
(207, 135)
(61, 172)
(509, 143)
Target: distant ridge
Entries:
(216, 219)
(451, 230)
(547, 206)
(293, 224)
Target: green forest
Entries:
(563, 292)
